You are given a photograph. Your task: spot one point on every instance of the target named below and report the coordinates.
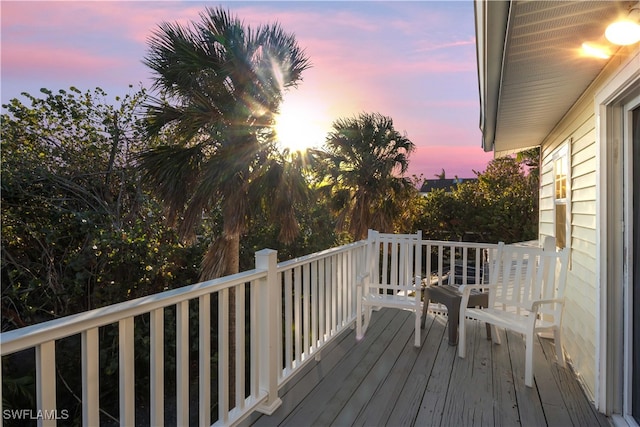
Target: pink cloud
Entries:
(428, 45)
(456, 161)
(56, 60)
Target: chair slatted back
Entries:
(396, 262)
(527, 274)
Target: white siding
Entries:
(579, 322)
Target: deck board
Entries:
(359, 400)
(505, 409)
(579, 409)
(384, 380)
(410, 397)
(555, 409)
(437, 386)
(528, 401)
(389, 392)
(348, 379)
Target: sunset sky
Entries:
(413, 61)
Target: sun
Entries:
(300, 126)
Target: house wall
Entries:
(580, 322)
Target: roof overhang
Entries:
(530, 66)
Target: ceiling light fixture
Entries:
(625, 31)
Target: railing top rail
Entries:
(459, 244)
(30, 336)
(286, 265)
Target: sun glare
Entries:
(595, 51)
(299, 127)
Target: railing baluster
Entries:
(157, 366)
(315, 302)
(452, 265)
(223, 356)
(465, 254)
(345, 296)
(339, 287)
(255, 350)
(297, 301)
(279, 290)
(127, 372)
(440, 262)
(334, 295)
(240, 347)
(428, 265)
(479, 265)
(46, 381)
(322, 303)
(306, 295)
(204, 365)
(182, 362)
(288, 334)
(354, 263)
(90, 378)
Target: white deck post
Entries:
(46, 382)
(268, 299)
(90, 378)
(126, 375)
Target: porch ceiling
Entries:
(530, 67)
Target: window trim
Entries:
(563, 152)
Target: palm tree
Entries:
(363, 166)
(221, 85)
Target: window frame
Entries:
(561, 155)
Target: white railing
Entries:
(285, 314)
(456, 262)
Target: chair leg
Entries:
(367, 317)
(528, 365)
(462, 335)
(557, 339)
(495, 334)
(417, 328)
(359, 334)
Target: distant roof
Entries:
(443, 184)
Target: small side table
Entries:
(451, 298)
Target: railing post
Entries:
(268, 299)
(46, 382)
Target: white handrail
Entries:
(29, 336)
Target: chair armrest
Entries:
(361, 278)
(465, 290)
(468, 288)
(536, 304)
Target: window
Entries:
(561, 195)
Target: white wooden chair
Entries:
(526, 295)
(392, 278)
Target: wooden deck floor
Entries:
(384, 380)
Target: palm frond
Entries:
(366, 155)
(171, 171)
(221, 83)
